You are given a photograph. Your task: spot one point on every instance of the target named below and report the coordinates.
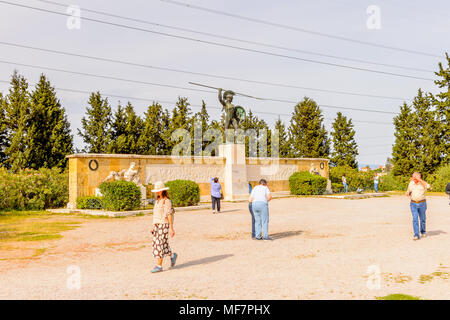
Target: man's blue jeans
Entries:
(261, 213)
(375, 185)
(253, 218)
(418, 212)
(345, 187)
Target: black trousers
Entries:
(215, 201)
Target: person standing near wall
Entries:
(216, 194)
(260, 198)
(344, 183)
(447, 190)
(163, 217)
(416, 191)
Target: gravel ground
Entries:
(321, 249)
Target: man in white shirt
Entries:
(260, 197)
(416, 191)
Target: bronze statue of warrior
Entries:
(234, 115)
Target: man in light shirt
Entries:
(416, 191)
(259, 197)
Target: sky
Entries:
(407, 24)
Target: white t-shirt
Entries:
(259, 193)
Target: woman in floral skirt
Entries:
(163, 215)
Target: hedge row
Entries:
(33, 189)
(305, 183)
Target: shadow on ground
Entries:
(435, 233)
(203, 261)
(285, 234)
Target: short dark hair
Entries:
(216, 179)
(164, 195)
(263, 182)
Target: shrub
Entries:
(33, 189)
(183, 193)
(440, 178)
(120, 195)
(89, 202)
(337, 187)
(390, 182)
(305, 183)
(355, 179)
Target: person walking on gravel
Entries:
(163, 217)
(416, 191)
(260, 198)
(216, 194)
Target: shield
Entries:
(240, 113)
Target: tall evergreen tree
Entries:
(17, 113)
(403, 150)
(49, 139)
(345, 148)
(198, 131)
(284, 148)
(181, 119)
(307, 131)
(442, 105)
(262, 135)
(3, 131)
(151, 140)
(96, 125)
(126, 129)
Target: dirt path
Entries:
(322, 249)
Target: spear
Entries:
(241, 94)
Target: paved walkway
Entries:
(322, 249)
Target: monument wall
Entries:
(88, 171)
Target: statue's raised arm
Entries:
(220, 98)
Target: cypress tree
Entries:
(151, 140)
(96, 125)
(118, 135)
(307, 131)
(442, 105)
(345, 148)
(403, 150)
(49, 139)
(3, 132)
(197, 132)
(126, 129)
(180, 119)
(284, 148)
(17, 113)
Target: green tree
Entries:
(49, 138)
(307, 131)
(3, 131)
(180, 119)
(96, 125)
(403, 150)
(151, 140)
(345, 148)
(442, 105)
(200, 125)
(252, 125)
(126, 130)
(284, 148)
(17, 113)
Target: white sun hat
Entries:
(159, 186)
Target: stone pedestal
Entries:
(235, 173)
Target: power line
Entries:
(194, 105)
(177, 87)
(283, 26)
(237, 39)
(221, 44)
(189, 72)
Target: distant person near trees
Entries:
(251, 211)
(416, 191)
(344, 183)
(216, 194)
(376, 180)
(260, 198)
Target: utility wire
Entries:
(237, 39)
(176, 87)
(221, 44)
(283, 26)
(194, 105)
(191, 72)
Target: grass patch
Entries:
(398, 296)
